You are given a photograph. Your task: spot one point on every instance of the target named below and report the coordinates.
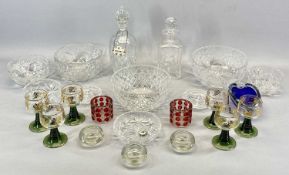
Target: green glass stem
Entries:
(247, 126)
(73, 114)
(37, 120)
(224, 136)
(54, 135)
(212, 118)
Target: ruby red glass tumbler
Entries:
(101, 109)
(181, 112)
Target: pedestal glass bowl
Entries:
(51, 118)
(225, 121)
(72, 95)
(138, 127)
(218, 66)
(35, 100)
(78, 61)
(249, 107)
(52, 87)
(28, 68)
(216, 99)
(140, 88)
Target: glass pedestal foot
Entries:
(55, 142)
(209, 125)
(253, 132)
(225, 146)
(36, 127)
(73, 121)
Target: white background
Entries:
(259, 28)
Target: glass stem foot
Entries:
(74, 117)
(36, 126)
(224, 141)
(209, 121)
(246, 129)
(55, 139)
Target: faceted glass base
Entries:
(36, 127)
(225, 146)
(55, 143)
(209, 125)
(250, 134)
(74, 121)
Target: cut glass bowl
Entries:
(219, 66)
(52, 87)
(139, 127)
(267, 79)
(140, 88)
(79, 61)
(28, 68)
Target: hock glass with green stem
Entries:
(72, 95)
(34, 101)
(216, 99)
(225, 121)
(249, 107)
(52, 117)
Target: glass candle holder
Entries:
(225, 121)
(72, 95)
(51, 118)
(101, 109)
(182, 141)
(91, 136)
(216, 99)
(134, 155)
(34, 101)
(249, 107)
(180, 112)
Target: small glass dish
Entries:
(91, 136)
(140, 127)
(141, 87)
(182, 141)
(28, 68)
(52, 87)
(79, 61)
(219, 66)
(197, 97)
(134, 155)
(267, 79)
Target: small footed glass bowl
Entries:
(138, 127)
(267, 79)
(219, 66)
(28, 68)
(78, 61)
(141, 87)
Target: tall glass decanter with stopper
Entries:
(123, 44)
(170, 49)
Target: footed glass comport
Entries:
(51, 118)
(225, 121)
(72, 95)
(34, 101)
(216, 99)
(249, 106)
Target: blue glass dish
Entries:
(236, 92)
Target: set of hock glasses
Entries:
(142, 88)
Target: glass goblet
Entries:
(72, 95)
(52, 117)
(225, 121)
(34, 101)
(249, 107)
(216, 99)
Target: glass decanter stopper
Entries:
(51, 118)
(217, 100)
(170, 49)
(249, 107)
(123, 44)
(72, 95)
(225, 121)
(34, 101)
